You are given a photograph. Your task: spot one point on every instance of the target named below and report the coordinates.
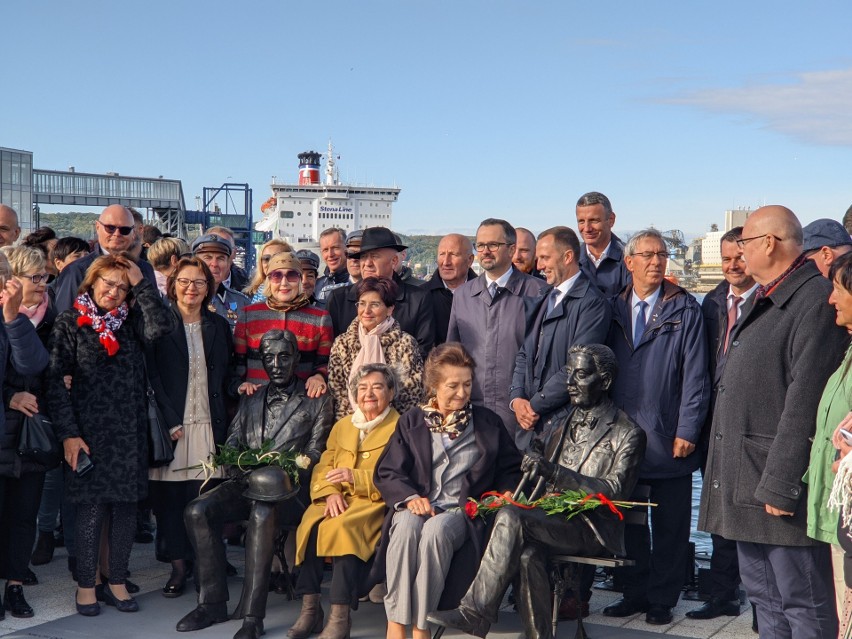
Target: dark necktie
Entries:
(639, 327)
(551, 301)
(732, 318)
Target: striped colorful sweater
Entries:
(310, 325)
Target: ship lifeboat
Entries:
(267, 205)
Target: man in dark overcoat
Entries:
(781, 353)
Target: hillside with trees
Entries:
(70, 224)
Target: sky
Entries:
(675, 110)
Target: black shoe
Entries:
(43, 552)
(15, 602)
(30, 578)
(87, 610)
(625, 608)
(658, 615)
(461, 619)
(99, 592)
(172, 590)
(716, 608)
(122, 605)
(132, 588)
(203, 616)
(252, 629)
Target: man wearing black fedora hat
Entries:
(379, 256)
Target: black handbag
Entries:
(161, 447)
(38, 442)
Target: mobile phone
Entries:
(84, 463)
(847, 436)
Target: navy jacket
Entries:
(612, 275)
(663, 383)
(72, 276)
(582, 317)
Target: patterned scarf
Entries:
(764, 291)
(296, 303)
(453, 424)
(105, 325)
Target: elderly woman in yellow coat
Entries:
(345, 518)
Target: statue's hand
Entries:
(535, 465)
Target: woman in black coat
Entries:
(98, 344)
(426, 501)
(191, 370)
(23, 357)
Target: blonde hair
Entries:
(24, 258)
(160, 252)
(259, 277)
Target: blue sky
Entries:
(676, 110)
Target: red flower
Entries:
(471, 509)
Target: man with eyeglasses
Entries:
(602, 254)
(378, 256)
(781, 353)
(332, 243)
(657, 335)
(116, 231)
(10, 229)
(487, 316)
(215, 252)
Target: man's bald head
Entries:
(10, 230)
(772, 240)
(112, 228)
(455, 256)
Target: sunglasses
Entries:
(291, 276)
(112, 228)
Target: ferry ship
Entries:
(299, 212)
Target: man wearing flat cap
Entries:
(310, 268)
(824, 241)
(215, 252)
(378, 257)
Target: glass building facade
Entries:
(16, 185)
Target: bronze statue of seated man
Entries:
(593, 447)
(283, 413)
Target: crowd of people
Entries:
(409, 397)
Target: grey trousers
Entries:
(420, 550)
(792, 588)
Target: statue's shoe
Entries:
(461, 619)
(252, 629)
(202, 617)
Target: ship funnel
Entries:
(309, 167)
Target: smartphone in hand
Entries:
(84, 463)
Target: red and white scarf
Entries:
(104, 324)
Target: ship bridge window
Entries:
(285, 215)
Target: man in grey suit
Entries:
(572, 312)
(781, 352)
(488, 318)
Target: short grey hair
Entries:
(647, 234)
(387, 372)
(593, 198)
